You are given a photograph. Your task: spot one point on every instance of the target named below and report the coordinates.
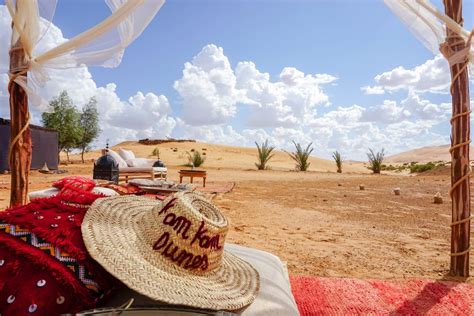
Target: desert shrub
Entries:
(264, 155)
(156, 152)
(195, 159)
(375, 160)
(416, 168)
(338, 159)
(391, 167)
(301, 156)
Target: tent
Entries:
(44, 142)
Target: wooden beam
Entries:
(20, 139)
(460, 139)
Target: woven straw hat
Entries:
(171, 251)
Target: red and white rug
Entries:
(339, 296)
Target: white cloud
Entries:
(211, 92)
(207, 88)
(373, 90)
(431, 76)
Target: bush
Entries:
(338, 159)
(264, 155)
(301, 156)
(195, 159)
(416, 168)
(375, 160)
(156, 152)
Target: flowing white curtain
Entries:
(428, 24)
(103, 45)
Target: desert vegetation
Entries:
(264, 155)
(156, 152)
(195, 159)
(301, 156)
(375, 160)
(338, 159)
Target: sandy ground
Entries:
(319, 222)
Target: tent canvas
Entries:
(45, 147)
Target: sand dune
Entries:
(425, 154)
(230, 157)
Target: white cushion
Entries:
(53, 191)
(117, 158)
(43, 193)
(140, 162)
(104, 191)
(142, 170)
(126, 154)
(273, 298)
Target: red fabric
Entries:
(338, 296)
(23, 265)
(87, 183)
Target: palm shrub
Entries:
(338, 159)
(195, 159)
(264, 155)
(375, 160)
(301, 156)
(156, 152)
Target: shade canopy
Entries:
(429, 25)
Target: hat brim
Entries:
(113, 238)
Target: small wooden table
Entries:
(193, 174)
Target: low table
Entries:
(193, 174)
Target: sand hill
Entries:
(228, 157)
(425, 154)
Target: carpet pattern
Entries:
(339, 296)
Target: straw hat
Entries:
(171, 251)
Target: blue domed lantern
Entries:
(106, 168)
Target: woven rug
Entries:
(338, 296)
(216, 187)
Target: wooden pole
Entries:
(20, 138)
(460, 139)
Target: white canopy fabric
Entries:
(102, 45)
(428, 24)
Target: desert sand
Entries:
(319, 222)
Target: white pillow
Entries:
(104, 191)
(126, 154)
(53, 191)
(118, 159)
(274, 297)
(140, 162)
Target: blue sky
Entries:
(353, 41)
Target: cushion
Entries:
(54, 191)
(88, 183)
(117, 158)
(140, 162)
(126, 154)
(142, 170)
(273, 298)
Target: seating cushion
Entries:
(142, 170)
(126, 154)
(54, 191)
(140, 162)
(118, 159)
